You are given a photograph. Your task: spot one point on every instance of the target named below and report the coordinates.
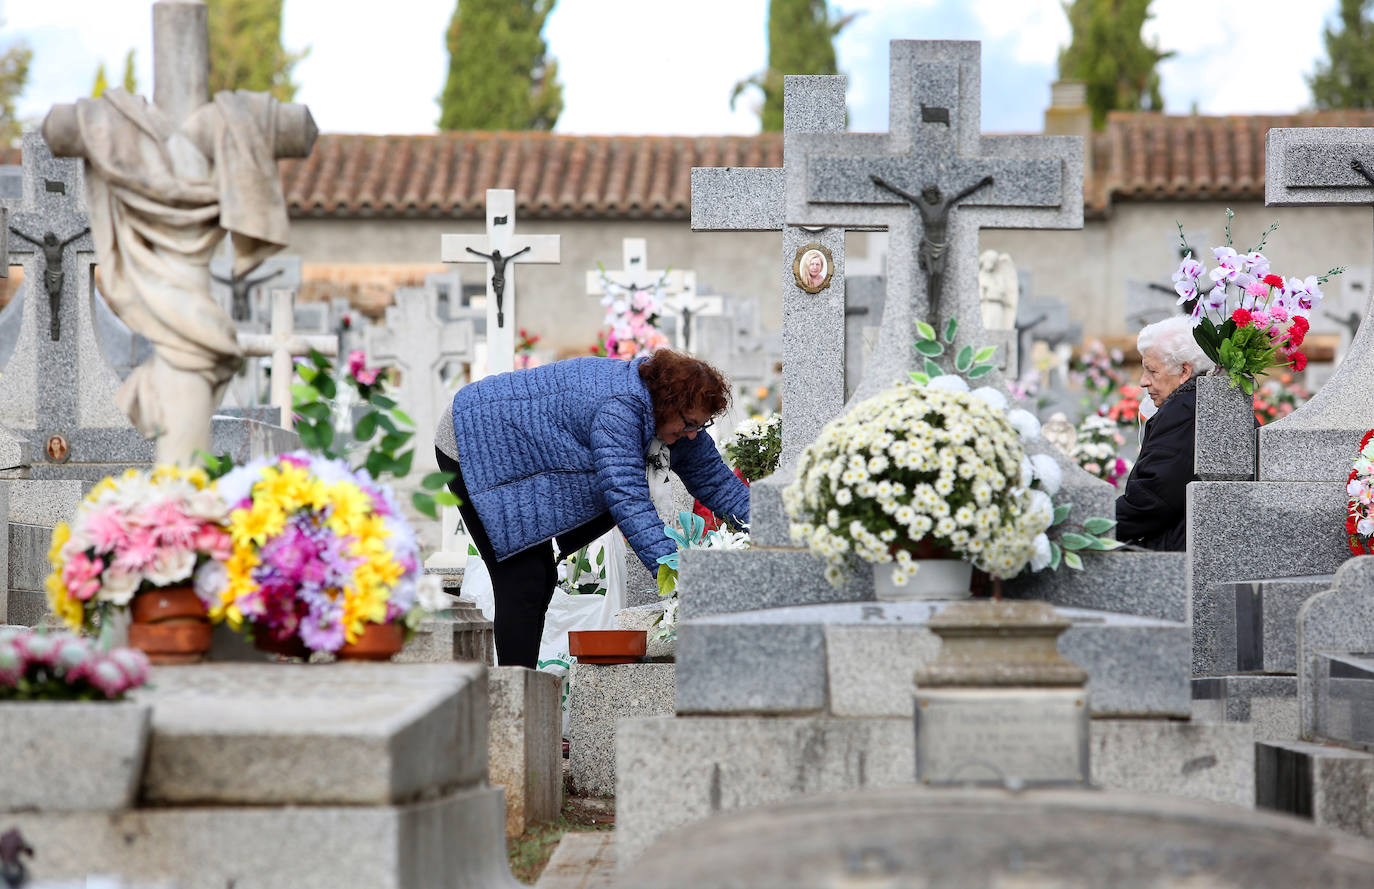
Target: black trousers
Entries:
(523, 583)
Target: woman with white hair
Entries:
(1153, 510)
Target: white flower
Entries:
(170, 565)
(1048, 472)
(118, 587)
(993, 397)
(1027, 472)
(211, 579)
(1365, 526)
(1040, 558)
(1024, 422)
(430, 595)
(949, 383)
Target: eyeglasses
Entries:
(689, 427)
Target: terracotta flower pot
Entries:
(608, 646)
(170, 625)
(292, 646)
(378, 642)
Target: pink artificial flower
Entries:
(1259, 317)
(214, 541)
(138, 552)
(357, 360)
(81, 574)
(1278, 312)
(107, 529)
(1257, 289)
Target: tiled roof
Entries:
(1138, 157)
(1157, 157)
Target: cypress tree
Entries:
(500, 73)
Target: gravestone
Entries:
(500, 249)
(752, 199)
(59, 392)
(423, 347)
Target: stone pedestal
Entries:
(999, 705)
(525, 748)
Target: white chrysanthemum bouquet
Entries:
(917, 467)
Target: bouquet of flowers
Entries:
(319, 552)
(694, 535)
(1096, 449)
(1248, 320)
(754, 447)
(37, 666)
(915, 464)
(631, 318)
(1125, 411)
(1277, 398)
(1098, 369)
(1359, 524)
(132, 534)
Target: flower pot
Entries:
(170, 625)
(608, 646)
(292, 646)
(377, 642)
(934, 579)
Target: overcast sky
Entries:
(651, 66)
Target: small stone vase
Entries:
(1224, 437)
(170, 625)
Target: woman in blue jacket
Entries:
(559, 451)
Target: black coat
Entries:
(1153, 511)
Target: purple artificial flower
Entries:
(1258, 264)
(1189, 269)
(324, 630)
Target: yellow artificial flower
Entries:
(349, 505)
(284, 486)
(388, 571)
(61, 602)
(60, 535)
(256, 524)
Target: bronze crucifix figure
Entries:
(498, 278)
(934, 209)
(52, 273)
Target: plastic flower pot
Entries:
(170, 625)
(377, 642)
(608, 646)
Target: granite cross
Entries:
(284, 345)
(190, 163)
(752, 199)
(1321, 166)
(501, 249)
(429, 351)
(60, 386)
(933, 181)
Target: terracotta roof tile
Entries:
(1138, 157)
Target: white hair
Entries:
(1173, 343)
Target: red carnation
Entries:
(1299, 361)
(1302, 323)
(1241, 317)
(1273, 280)
(1296, 335)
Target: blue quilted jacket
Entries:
(549, 448)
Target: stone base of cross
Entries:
(284, 345)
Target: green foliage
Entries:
(246, 52)
(101, 82)
(1242, 353)
(801, 40)
(1109, 55)
(970, 361)
(382, 431)
(14, 76)
(755, 448)
(1346, 78)
(584, 579)
(129, 81)
(500, 75)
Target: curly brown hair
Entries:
(680, 385)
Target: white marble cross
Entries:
(429, 352)
(283, 344)
(680, 300)
(500, 249)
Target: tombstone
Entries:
(752, 199)
(430, 354)
(283, 345)
(212, 184)
(59, 392)
(1313, 167)
(497, 250)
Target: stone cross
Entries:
(429, 351)
(1318, 166)
(61, 388)
(933, 181)
(178, 164)
(284, 345)
(752, 199)
(500, 249)
(680, 299)
(243, 297)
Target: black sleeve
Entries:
(1157, 490)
